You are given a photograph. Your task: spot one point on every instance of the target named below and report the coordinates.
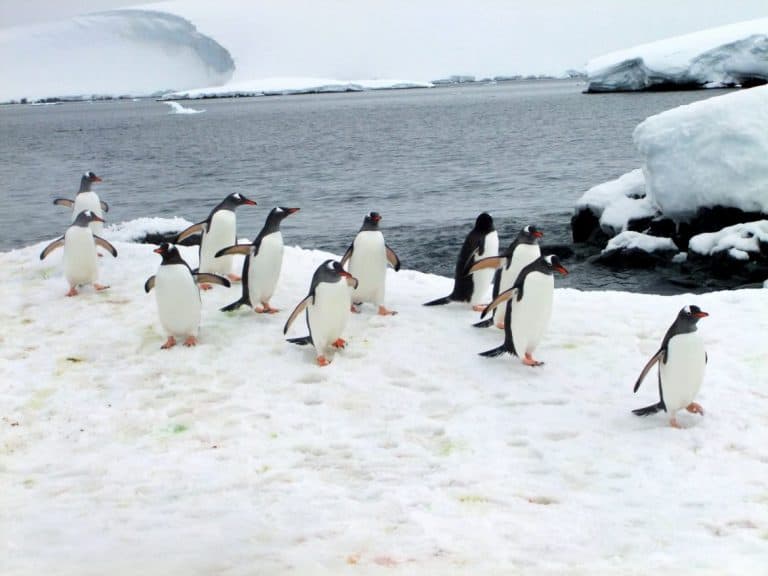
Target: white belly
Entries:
(368, 264)
(89, 201)
(328, 316)
(524, 254)
(222, 233)
(683, 372)
(178, 300)
(481, 280)
(530, 316)
(264, 270)
(80, 264)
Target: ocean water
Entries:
(429, 160)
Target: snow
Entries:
(618, 201)
(409, 454)
(635, 240)
(726, 55)
(136, 230)
(712, 152)
(177, 108)
(739, 240)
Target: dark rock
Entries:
(585, 227)
(170, 237)
(662, 227)
(562, 251)
(640, 224)
(624, 258)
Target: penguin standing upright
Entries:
(86, 199)
(178, 296)
(328, 309)
(218, 231)
(262, 264)
(523, 250)
(682, 361)
(80, 264)
(527, 317)
(482, 241)
(368, 257)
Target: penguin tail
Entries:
(483, 323)
(301, 341)
(438, 302)
(235, 305)
(495, 352)
(648, 410)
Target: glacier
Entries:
(733, 55)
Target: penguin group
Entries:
(521, 280)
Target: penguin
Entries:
(218, 232)
(522, 251)
(682, 361)
(178, 295)
(482, 241)
(527, 317)
(80, 264)
(328, 309)
(86, 199)
(261, 267)
(368, 256)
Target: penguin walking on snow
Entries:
(682, 361)
(368, 257)
(481, 242)
(527, 317)
(522, 251)
(178, 296)
(80, 263)
(328, 309)
(218, 231)
(86, 199)
(262, 264)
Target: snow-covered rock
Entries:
(725, 56)
(740, 240)
(638, 241)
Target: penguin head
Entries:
(280, 213)
(86, 180)
(86, 217)
(333, 271)
(236, 199)
(169, 252)
(692, 313)
(530, 234)
(553, 263)
(371, 221)
(484, 223)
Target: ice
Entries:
(177, 108)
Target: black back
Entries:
(463, 284)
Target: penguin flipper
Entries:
(494, 262)
(243, 249)
(64, 202)
(58, 243)
(439, 301)
(483, 323)
(392, 258)
(347, 254)
(495, 352)
(209, 278)
(301, 341)
(192, 230)
(652, 409)
(296, 311)
(149, 284)
(104, 206)
(236, 304)
(655, 358)
(500, 299)
(106, 245)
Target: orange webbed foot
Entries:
(339, 343)
(205, 286)
(479, 307)
(674, 423)
(190, 341)
(383, 311)
(323, 361)
(99, 287)
(695, 408)
(72, 292)
(529, 360)
(170, 343)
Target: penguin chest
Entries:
(328, 315)
(178, 300)
(80, 265)
(89, 201)
(523, 255)
(683, 372)
(482, 279)
(530, 315)
(264, 269)
(220, 234)
(368, 264)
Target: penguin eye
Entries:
(687, 310)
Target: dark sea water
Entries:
(428, 160)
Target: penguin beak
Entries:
(701, 314)
(351, 280)
(291, 210)
(562, 270)
(97, 218)
(95, 179)
(158, 250)
(249, 202)
(538, 234)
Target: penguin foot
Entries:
(354, 309)
(339, 343)
(383, 311)
(206, 286)
(170, 343)
(528, 360)
(72, 292)
(234, 277)
(190, 341)
(479, 307)
(674, 423)
(99, 287)
(695, 408)
(323, 361)
(500, 325)
(267, 309)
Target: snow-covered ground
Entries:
(409, 454)
(727, 55)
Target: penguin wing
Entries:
(104, 206)
(243, 249)
(209, 278)
(296, 311)
(58, 243)
(655, 358)
(499, 300)
(494, 262)
(106, 245)
(393, 259)
(64, 202)
(348, 254)
(194, 229)
(149, 284)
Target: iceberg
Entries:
(733, 55)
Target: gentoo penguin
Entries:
(177, 295)
(86, 199)
(80, 265)
(218, 232)
(263, 260)
(522, 251)
(527, 317)
(682, 360)
(368, 257)
(328, 309)
(481, 242)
